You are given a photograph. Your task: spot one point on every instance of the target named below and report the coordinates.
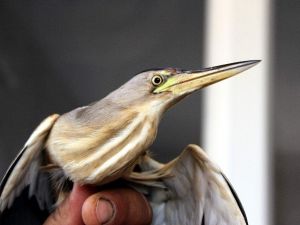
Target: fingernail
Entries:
(104, 211)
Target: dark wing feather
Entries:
(236, 197)
(25, 169)
(10, 169)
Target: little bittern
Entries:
(107, 140)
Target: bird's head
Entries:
(160, 89)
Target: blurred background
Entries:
(59, 55)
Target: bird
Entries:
(109, 140)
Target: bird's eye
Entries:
(157, 80)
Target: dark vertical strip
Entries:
(286, 111)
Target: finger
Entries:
(117, 207)
(69, 211)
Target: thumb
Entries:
(119, 206)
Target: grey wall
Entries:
(286, 112)
(58, 55)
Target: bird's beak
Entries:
(189, 81)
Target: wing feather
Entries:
(195, 193)
(236, 197)
(25, 168)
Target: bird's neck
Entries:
(92, 154)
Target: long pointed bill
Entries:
(189, 81)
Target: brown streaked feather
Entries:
(72, 144)
(109, 154)
(82, 137)
(49, 167)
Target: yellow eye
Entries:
(157, 80)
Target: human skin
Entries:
(86, 206)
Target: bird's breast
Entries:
(105, 154)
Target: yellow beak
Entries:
(189, 81)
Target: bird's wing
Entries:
(24, 170)
(195, 192)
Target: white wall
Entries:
(235, 131)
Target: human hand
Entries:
(120, 206)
